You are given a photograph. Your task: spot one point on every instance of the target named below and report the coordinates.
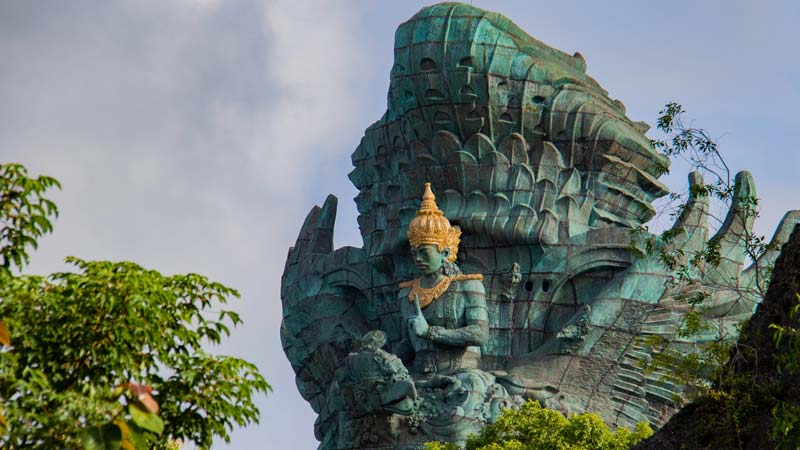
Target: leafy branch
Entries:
(697, 359)
(25, 214)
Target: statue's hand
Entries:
(417, 325)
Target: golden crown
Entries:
(430, 226)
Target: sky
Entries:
(195, 135)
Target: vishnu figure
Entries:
(444, 310)
(445, 324)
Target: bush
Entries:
(533, 427)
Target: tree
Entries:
(732, 378)
(110, 355)
(532, 427)
(705, 367)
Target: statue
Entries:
(446, 323)
(447, 336)
(445, 395)
(539, 177)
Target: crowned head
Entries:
(431, 227)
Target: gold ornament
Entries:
(429, 295)
(430, 226)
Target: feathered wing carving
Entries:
(489, 114)
(600, 366)
(323, 295)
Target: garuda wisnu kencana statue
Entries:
(517, 280)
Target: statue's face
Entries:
(428, 258)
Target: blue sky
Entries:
(194, 135)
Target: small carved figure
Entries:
(377, 391)
(510, 283)
(376, 380)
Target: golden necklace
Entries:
(426, 295)
(429, 295)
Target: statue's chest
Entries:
(446, 311)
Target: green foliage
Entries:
(101, 438)
(702, 153)
(111, 355)
(78, 335)
(24, 214)
(696, 146)
(786, 428)
(706, 371)
(532, 427)
(700, 369)
(788, 339)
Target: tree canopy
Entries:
(532, 427)
(110, 355)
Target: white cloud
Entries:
(185, 142)
(318, 66)
(208, 4)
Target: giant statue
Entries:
(497, 198)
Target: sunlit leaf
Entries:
(146, 419)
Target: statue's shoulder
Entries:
(469, 282)
(404, 288)
(406, 284)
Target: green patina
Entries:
(546, 177)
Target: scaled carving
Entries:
(542, 177)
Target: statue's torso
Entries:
(449, 311)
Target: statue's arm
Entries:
(476, 332)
